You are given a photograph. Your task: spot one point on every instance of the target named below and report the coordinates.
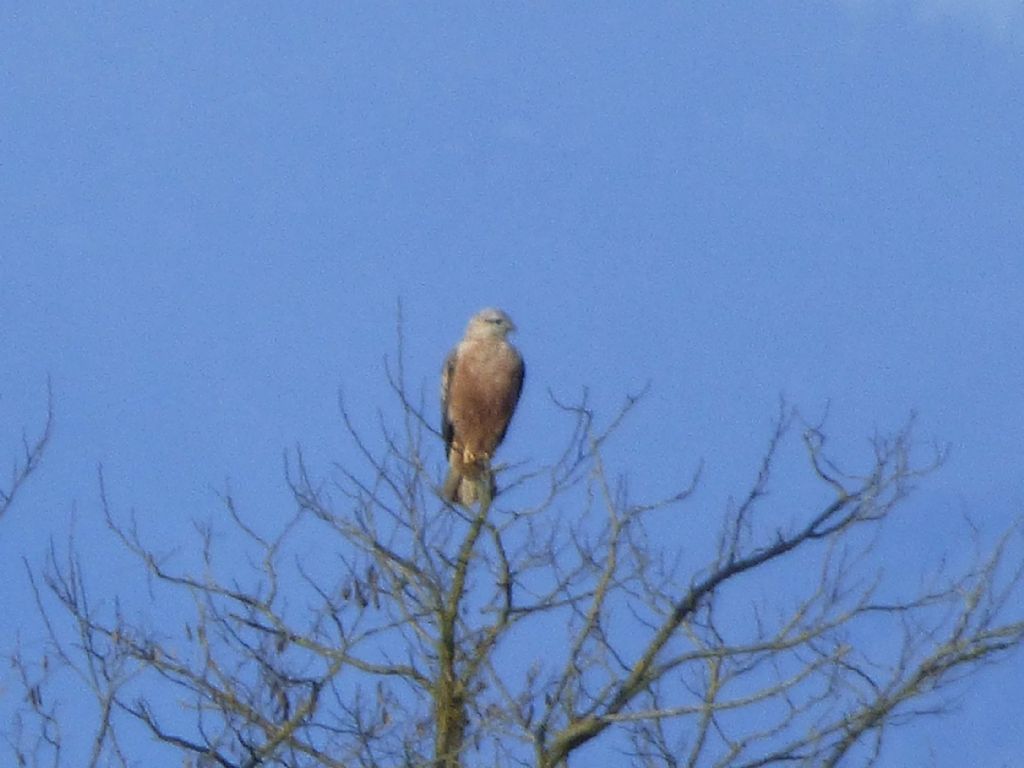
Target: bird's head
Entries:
(489, 323)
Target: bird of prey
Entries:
(480, 385)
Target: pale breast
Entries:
(483, 393)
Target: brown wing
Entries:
(447, 428)
(518, 376)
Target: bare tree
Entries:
(26, 461)
(379, 626)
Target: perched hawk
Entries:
(480, 386)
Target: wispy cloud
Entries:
(1003, 16)
(1001, 19)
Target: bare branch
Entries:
(32, 450)
(376, 625)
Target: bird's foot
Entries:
(471, 457)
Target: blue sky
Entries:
(209, 214)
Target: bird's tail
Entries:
(466, 484)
